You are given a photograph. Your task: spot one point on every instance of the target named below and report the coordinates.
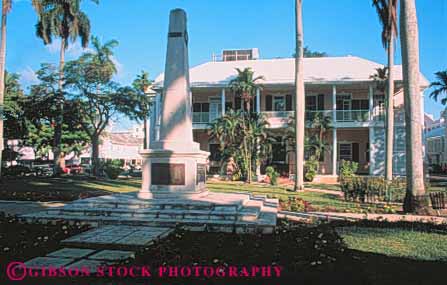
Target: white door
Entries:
(215, 108)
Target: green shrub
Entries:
(348, 168)
(272, 175)
(113, 168)
(311, 168)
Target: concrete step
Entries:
(216, 212)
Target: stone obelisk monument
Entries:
(174, 166)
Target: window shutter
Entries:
(288, 102)
(321, 102)
(268, 103)
(196, 107)
(355, 152)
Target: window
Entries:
(345, 151)
(279, 103)
(200, 112)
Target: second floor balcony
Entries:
(280, 119)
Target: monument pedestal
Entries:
(173, 174)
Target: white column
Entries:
(334, 151)
(258, 100)
(334, 130)
(372, 151)
(334, 105)
(371, 102)
(222, 100)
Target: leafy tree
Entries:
(142, 85)
(440, 86)
(244, 86)
(96, 97)
(64, 20)
(381, 78)
(232, 137)
(310, 53)
(307, 52)
(387, 12)
(13, 110)
(41, 113)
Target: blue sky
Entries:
(337, 27)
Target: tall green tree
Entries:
(245, 85)
(416, 200)
(40, 113)
(6, 8)
(232, 137)
(439, 86)
(96, 97)
(299, 97)
(14, 119)
(142, 85)
(63, 20)
(387, 11)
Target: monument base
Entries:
(169, 174)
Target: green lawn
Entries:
(396, 242)
(64, 188)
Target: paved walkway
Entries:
(26, 207)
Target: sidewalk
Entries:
(26, 207)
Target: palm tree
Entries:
(142, 83)
(102, 66)
(6, 7)
(244, 86)
(440, 86)
(64, 20)
(299, 98)
(387, 11)
(416, 200)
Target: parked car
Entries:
(43, 169)
(73, 169)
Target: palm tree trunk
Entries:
(390, 109)
(299, 99)
(2, 77)
(249, 149)
(415, 200)
(59, 160)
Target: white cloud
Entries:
(74, 50)
(28, 76)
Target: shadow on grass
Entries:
(308, 254)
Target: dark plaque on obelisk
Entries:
(168, 174)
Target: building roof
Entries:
(124, 138)
(322, 70)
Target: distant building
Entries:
(435, 141)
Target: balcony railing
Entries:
(340, 115)
(352, 115)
